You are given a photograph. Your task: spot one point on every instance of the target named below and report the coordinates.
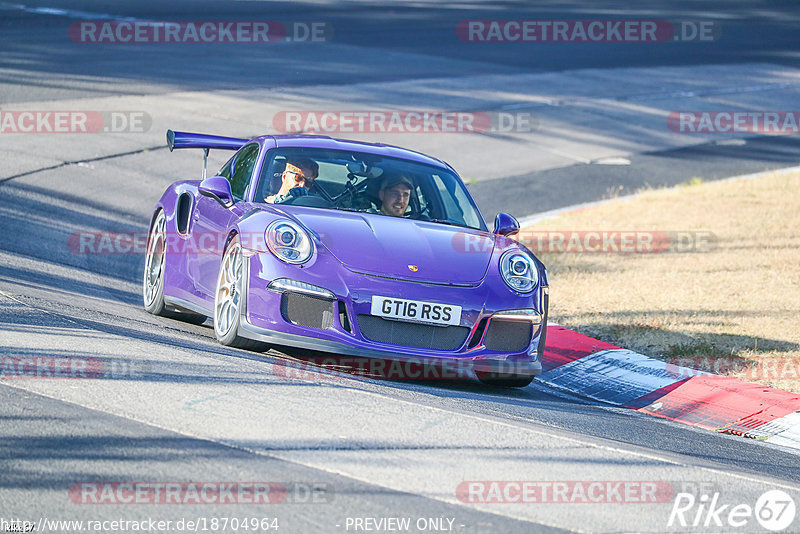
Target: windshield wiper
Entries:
(342, 208)
(450, 223)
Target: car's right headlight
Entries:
(289, 242)
(519, 271)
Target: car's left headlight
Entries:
(519, 271)
(289, 242)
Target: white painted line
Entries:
(612, 161)
(731, 142)
(618, 376)
(69, 13)
(713, 92)
(563, 154)
(788, 431)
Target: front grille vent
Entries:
(305, 310)
(412, 334)
(508, 336)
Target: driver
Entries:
(394, 195)
(296, 179)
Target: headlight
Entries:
(289, 242)
(519, 272)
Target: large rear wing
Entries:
(204, 141)
(195, 140)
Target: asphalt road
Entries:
(172, 405)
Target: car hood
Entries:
(402, 248)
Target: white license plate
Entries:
(416, 310)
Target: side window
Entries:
(451, 208)
(225, 171)
(240, 169)
(423, 202)
(271, 176)
(453, 198)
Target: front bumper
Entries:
(350, 294)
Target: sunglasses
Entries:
(300, 176)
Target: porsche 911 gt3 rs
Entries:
(325, 269)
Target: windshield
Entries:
(356, 181)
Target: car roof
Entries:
(323, 141)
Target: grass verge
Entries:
(714, 282)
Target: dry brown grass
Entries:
(740, 301)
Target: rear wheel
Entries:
(228, 300)
(504, 380)
(153, 281)
(154, 260)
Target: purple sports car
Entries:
(352, 248)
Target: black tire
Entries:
(229, 285)
(504, 380)
(153, 276)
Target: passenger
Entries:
(296, 179)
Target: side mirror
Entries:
(218, 188)
(505, 224)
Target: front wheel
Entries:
(228, 299)
(504, 380)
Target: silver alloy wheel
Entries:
(154, 261)
(229, 287)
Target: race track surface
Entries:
(176, 406)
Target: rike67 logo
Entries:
(774, 511)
